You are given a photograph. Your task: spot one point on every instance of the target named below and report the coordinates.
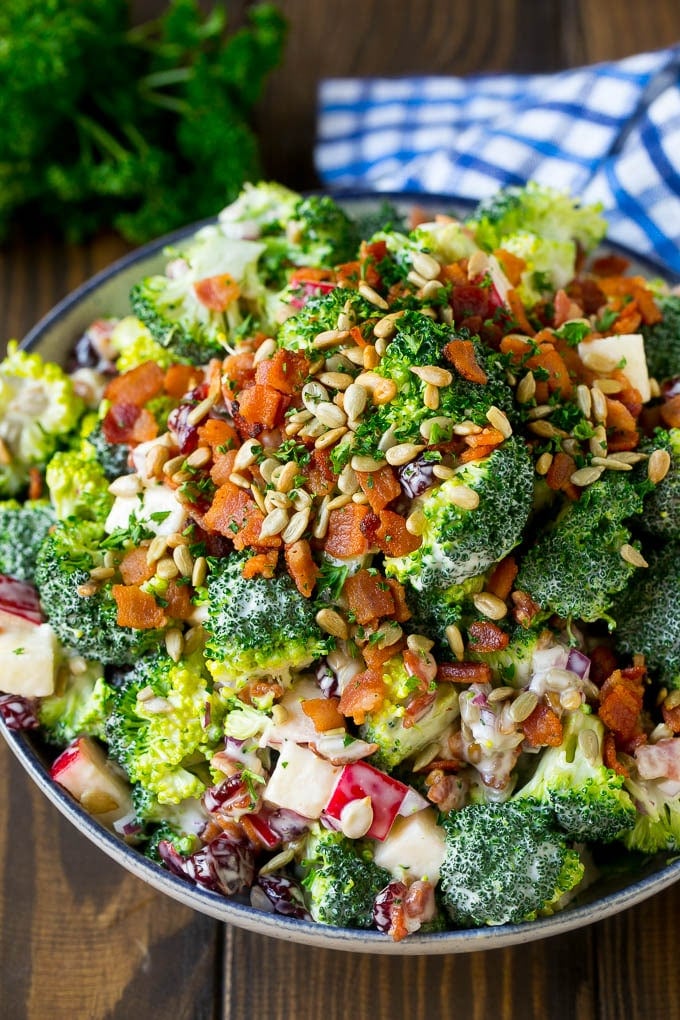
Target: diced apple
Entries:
(20, 599)
(84, 770)
(359, 780)
(625, 350)
(414, 848)
(28, 652)
(301, 781)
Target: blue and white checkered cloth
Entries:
(609, 133)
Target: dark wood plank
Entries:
(595, 31)
(403, 37)
(278, 980)
(79, 936)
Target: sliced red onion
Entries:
(327, 680)
(578, 663)
(225, 794)
(128, 825)
(18, 713)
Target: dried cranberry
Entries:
(670, 387)
(225, 794)
(385, 902)
(416, 476)
(18, 713)
(284, 895)
(186, 434)
(223, 865)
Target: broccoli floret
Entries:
(542, 210)
(550, 264)
(647, 614)
(260, 209)
(80, 708)
(385, 727)
(587, 797)
(170, 308)
(113, 457)
(458, 543)
(662, 340)
(78, 485)
(39, 408)
(512, 665)
(420, 341)
(87, 623)
(319, 314)
(505, 863)
(661, 516)
(657, 825)
(185, 843)
(575, 567)
(257, 626)
(135, 345)
(23, 528)
(327, 234)
(434, 609)
(159, 728)
(341, 879)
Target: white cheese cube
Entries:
(415, 848)
(301, 781)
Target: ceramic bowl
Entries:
(105, 295)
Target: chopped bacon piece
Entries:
(345, 538)
(621, 699)
(525, 608)
(503, 577)
(261, 565)
(260, 405)
(392, 536)
(609, 756)
(560, 471)
(364, 693)
(380, 487)
(464, 672)
(237, 373)
(512, 265)
(217, 292)
(324, 713)
(178, 597)
(301, 566)
(402, 613)
(375, 658)
(137, 386)
(137, 608)
(369, 596)
(180, 379)
(486, 636)
(286, 371)
(670, 412)
(671, 716)
(565, 309)
(135, 568)
(543, 727)
(461, 354)
(319, 474)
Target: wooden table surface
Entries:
(79, 936)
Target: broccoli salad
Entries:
(341, 573)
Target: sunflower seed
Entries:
(455, 640)
(658, 466)
(126, 485)
(156, 549)
(247, 454)
(463, 496)
(526, 388)
(431, 397)
(184, 560)
(440, 422)
(330, 438)
(523, 706)
(432, 374)
(296, 527)
(174, 645)
(199, 572)
(330, 415)
(332, 623)
(402, 453)
(584, 400)
(499, 420)
(608, 386)
(442, 471)
(632, 555)
(167, 569)
(416, 523)
(329, 338)
(599, 404)
(490, 605)
(426, 265)
(201, 411)
(586, 476)
(369, 294)
(101, 573)
(274, 523)
(589, 746)
(336, 380)
(264, 351)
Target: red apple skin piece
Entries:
(85, 772)
(19, 598)
(359, 780)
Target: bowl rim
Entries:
(240, 913)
